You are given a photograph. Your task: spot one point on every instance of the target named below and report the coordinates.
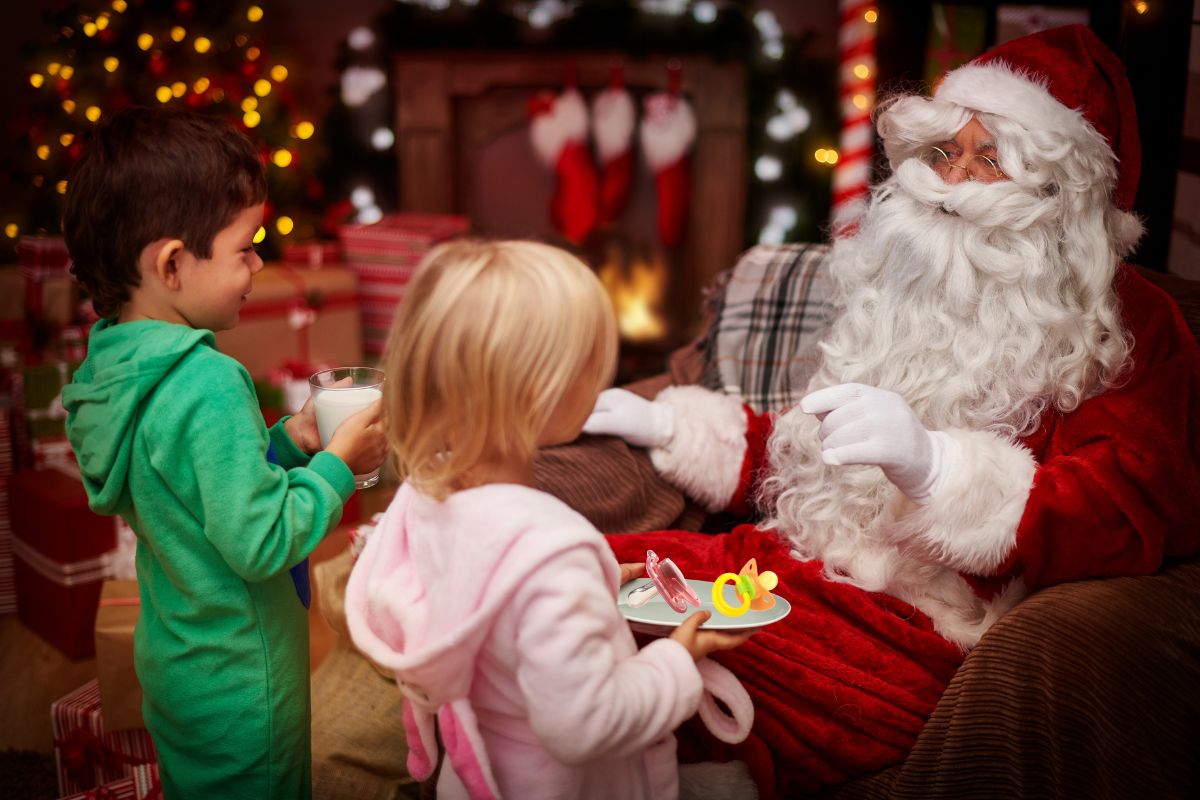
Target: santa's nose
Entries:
(956, 175)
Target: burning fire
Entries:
(636, 290)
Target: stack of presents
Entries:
(68, 573)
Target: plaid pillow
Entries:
(770, 311)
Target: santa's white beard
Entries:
(958, 298)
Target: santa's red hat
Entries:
(1063, 79)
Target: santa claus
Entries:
(1002, 405)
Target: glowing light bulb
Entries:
(820, 155)
(43, 151)
(831, 156)
(860, 101)
(282, 157)
(200, 86)
(249, 103)
(252, 53)
(145, 41)
(262, 87)
(52, 68)
(11, 230)
(178, 33)
(66, 72)
(163, 94)
(37, 80)
(304, 130)
(202, 44)
(111, 63)
(66, 139)
(284, 225)
(862, 71)
(279, 73)
(102, 21)
(119, 6)
(1141, 7)
(251, 119)
(93, 113)
(89, 29)
(260, 234)
(254, 13)
(871, 16)
(178, 88)
(69, 106)
(61, 187)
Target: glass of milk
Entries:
(339, 393)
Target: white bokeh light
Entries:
(362, 197)
(361, 38)
(768, 168)
(382, 138)
(705, 12)
(360, 83)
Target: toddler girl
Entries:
(494, 603)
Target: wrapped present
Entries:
(47, 288)
(124, 789)
(85, 754)
(120, 692)
(384, 254)
(62, 553)
(146, 782)
(309, 316)
(312, 254)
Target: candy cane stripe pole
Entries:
(856, 61)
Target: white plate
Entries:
(658, 618)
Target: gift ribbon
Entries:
(81, 750)
(71, 573)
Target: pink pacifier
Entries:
(666, 581)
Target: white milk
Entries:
(334, 405)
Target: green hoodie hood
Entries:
(124, 366)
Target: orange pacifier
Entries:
(753, 589)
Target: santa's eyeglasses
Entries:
(978, 167)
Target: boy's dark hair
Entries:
(148, 174)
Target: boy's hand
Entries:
(700, 643)
(302, 428)
(360, 441)
(631, 571)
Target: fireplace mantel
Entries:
(434, 146)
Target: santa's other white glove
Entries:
(865, 425)
(639, 421)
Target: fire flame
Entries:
(636, 290)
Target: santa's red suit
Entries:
(1087, 465)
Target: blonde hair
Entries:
(489, 338)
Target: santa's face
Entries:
(969, 155)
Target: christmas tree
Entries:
(217, 57)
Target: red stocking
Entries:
(668, 131)
(613, 116)
(558, 128)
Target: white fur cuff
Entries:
(970, 522)
(704, 457)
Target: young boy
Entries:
(160, 219)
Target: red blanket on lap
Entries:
(841, 686)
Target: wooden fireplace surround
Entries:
(429, 87)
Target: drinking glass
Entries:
(339, 393)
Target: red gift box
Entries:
(384, 255)
(84, 754)
(312, 254)
(62, 552)
(147, 785)
(124, 789)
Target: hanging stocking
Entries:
(558, 128)
(613, 116)
(668, 131)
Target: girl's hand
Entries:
(700, 643)
(302, 428)
(631, 571)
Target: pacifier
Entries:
(666, 581)
(752, 588)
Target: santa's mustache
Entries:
(1002, 205)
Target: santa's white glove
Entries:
(864, 425)
(641, 422)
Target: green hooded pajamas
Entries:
(169, 435)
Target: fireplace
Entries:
(463, 147)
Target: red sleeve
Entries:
(754, 463)
(1118, 482)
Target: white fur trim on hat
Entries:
(566, 121)
(997, 88)
(668, 129)
(970, 522)
(705, 454)
(613, 117)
